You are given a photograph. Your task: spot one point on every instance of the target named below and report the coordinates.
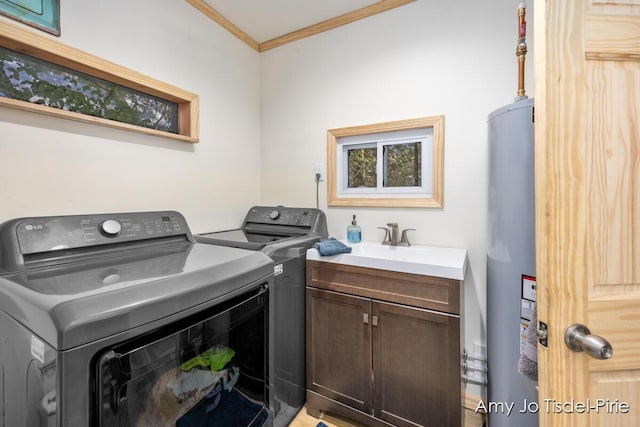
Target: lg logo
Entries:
(30, 227)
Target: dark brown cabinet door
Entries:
(339, 347)
(416, 366)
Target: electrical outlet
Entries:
(319, 168)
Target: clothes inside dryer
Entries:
(211, 372)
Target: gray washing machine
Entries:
(285, 234)
(123, 320)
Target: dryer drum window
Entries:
(208, 370)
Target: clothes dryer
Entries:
(123, 320)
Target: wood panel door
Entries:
(339, 347)
(587, 92)
(416, 366)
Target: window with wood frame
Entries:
(387, 164)
(44, 76)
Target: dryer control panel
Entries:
(45, 234)
(283, 216)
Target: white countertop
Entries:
(449, 263)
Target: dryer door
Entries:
(209, 370)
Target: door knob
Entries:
(578, 338)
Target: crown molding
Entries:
(329, 24)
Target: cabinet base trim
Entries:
(317, 404)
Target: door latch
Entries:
(543, 333)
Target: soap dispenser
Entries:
(354, 234)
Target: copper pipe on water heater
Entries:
(521, 49)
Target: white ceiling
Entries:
(264, 20)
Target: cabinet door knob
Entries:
(374, 320)
(365, 318)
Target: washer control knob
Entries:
(110, 228)
(274, 214)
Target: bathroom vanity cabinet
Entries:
(383, 347)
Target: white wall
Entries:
(53, 166)
(263, 119)
(455, 58)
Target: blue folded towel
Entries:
(331, 246)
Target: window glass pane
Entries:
(403, 165)
(362, 167)
(26, 78)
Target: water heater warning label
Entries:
(528, 300)
(529, 288)
(527, 308)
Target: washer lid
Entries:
(242, 238)
(77, 303)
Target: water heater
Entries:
(510, 264)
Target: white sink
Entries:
(449, 263)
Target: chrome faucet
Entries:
(391, 235)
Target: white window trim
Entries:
(378, 141)
(362, 134)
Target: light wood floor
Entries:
(471, 419)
